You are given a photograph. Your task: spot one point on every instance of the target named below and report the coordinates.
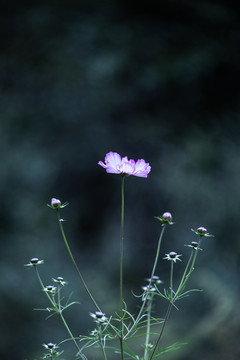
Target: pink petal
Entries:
(142, 168)
(124, 159)
(113, 161)
(128, 167)
(102, 164)
(113, 158)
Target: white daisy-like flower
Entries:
(99, 317)
(34, 262)
(172, 256)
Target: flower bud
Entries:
(167, 216)
(50, 345)
(55, 203)
(201, 230)
(59, 278)
(172, 254)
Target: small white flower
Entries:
(99, 317)
(34, 262)
(51, 289)
(60, 280)
(172, 256)
(154, 280)
(50, 346)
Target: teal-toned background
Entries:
(156, 80)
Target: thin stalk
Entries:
(152, 274)
(195, 256)
(158, 251)
(74, 262)
(146, 351)
(168, 311)
(161, 332)
(186, 275)
(101, 344)
(41, 283)
(171, 282)
(59, 298)
(121, 268)
(69, 331)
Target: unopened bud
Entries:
(167, 216)
(201, 230)
(55, 203)
(172, 254)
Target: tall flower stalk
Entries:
(115, 164)
(121, 267)
(56, 204)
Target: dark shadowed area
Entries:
(157, 80)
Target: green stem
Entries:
(74, 262)
(171, 282)
(69, 331)
(146, 351)
(48, 296)
(121, 268)
(186, 275)
(59, 298)
(161, 332)
(150, 283)
(101, 344)
(158, 251)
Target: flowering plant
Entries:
(116, 333)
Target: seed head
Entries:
(34, 260)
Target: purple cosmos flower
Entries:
(114, 164)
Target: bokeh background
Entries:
(157, 80)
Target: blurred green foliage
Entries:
(156, 80)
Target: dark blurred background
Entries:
(157, 80)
